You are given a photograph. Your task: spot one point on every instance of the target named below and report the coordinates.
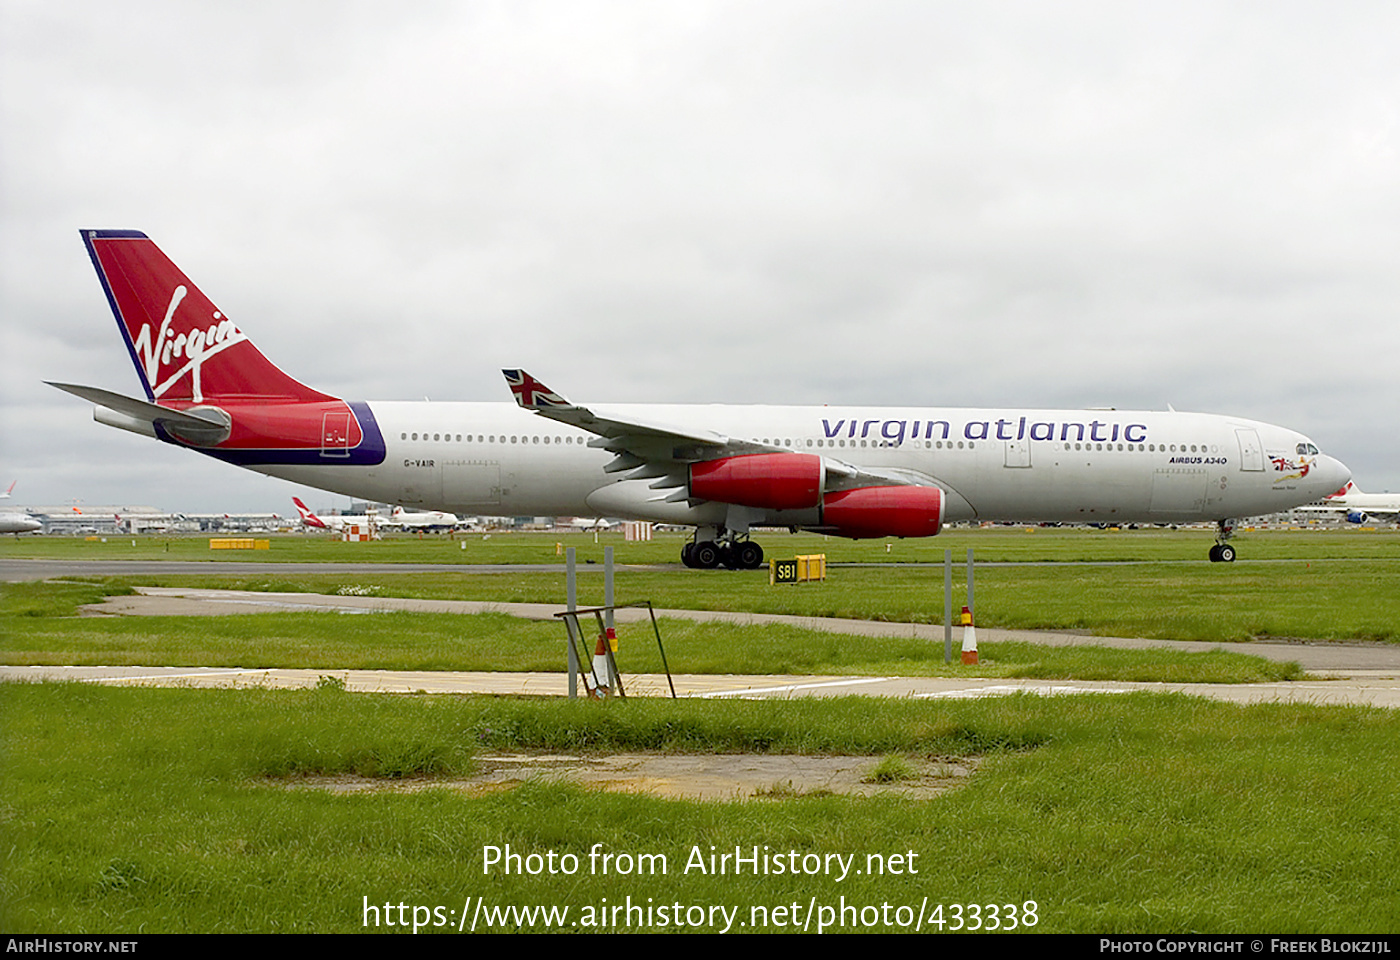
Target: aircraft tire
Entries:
(748, 555)
(1215, 553)
(1225, 553)
(705, 556)
(686, 554)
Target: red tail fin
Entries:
(184, 348)
(307, 517)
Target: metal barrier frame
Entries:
(577, 645)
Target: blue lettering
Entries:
(898, 430)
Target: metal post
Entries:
(608, 583)
(608, 601)
(971, 608)
(571, 604)
(947, 606)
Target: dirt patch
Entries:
(698, 777)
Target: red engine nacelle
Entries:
(884, 512)
(774, 481)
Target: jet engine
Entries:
(884, 512)
(772, 481)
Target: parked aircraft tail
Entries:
(307, 517)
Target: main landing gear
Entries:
(729, 552)
(1222, 552)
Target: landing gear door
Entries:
(1251, 450)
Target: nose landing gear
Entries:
(1222, 552)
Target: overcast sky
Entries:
(923, 203)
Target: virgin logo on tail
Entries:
(195, 346)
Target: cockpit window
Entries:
(1307, 448)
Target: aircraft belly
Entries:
(363, 483)
(1057, 488)
(471, 486)
(636, 500)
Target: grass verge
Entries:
(132, 809)
(37, 627)
(1344, 600)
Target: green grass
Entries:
(991, 544)
(1311, 584)
(130, 810)
(37, 626)
(36, 599)
(891, 769)
(1332, 600)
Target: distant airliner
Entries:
(849, 471)
(421, 519)
(336, 524)
(16, 523)
(1360, 507)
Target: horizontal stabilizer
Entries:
(196, 426)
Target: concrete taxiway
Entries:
(1369, 691)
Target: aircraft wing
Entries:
(658, 450)
(646, 441)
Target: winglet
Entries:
(530, 393)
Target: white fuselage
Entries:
(18, 523)
(1093, 466)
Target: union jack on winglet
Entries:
(530, 393)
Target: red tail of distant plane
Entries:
(307, 517)
(1350, 488)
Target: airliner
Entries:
(1360, 507)
(421, 519)
(16, 523)
(857, 472)
(334, 524)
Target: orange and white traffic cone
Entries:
(969, 644)
(599, 680)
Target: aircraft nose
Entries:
(1331, 473)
